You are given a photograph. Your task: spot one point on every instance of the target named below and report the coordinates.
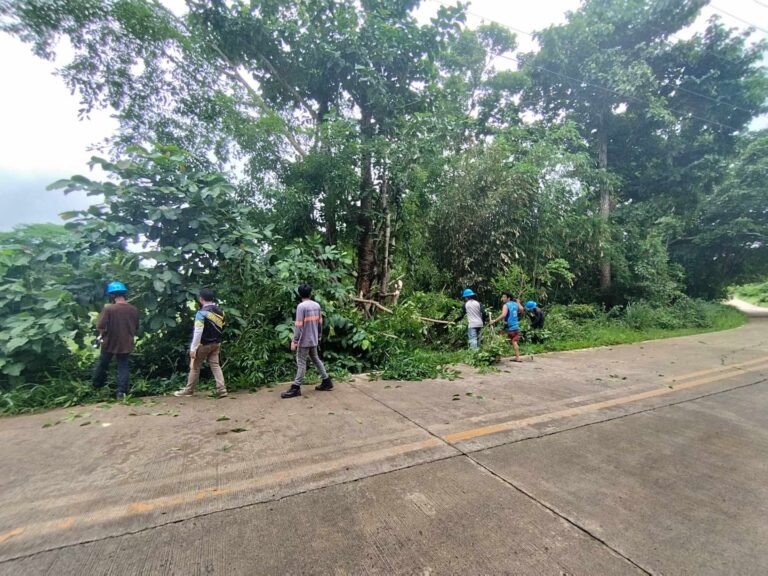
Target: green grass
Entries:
(599, 333)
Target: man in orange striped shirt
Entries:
(306, 339)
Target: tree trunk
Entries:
(387, 234)
(329, 210)
(365, 250)
(605, 202)
(329, 200)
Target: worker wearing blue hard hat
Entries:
(474, 312)
(116, 288)
(536, 316)
(117, 326)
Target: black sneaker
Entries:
(326, 384)
(292, 392)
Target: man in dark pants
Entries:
(117, 326)
(307, 331)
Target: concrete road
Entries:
(637, 459)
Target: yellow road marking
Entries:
(674, 381)
(66, 523)
(586, 408)
(719, 369)
(279, 477)
(11, 534)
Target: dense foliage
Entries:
(381, 158)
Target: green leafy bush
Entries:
(684, 313)
(691, 313)
(417, 365)
(643, 315)
(559, 325)
(43, 299)
(579, 312)
(492, 347)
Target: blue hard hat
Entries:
(116, 286)
(530, 305)
(467, 293)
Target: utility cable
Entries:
(748, 23)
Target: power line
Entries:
(748, 23)
(763, 4)
(712, 99)
(610, 90)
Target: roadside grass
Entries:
(610, 335)
(568, 328)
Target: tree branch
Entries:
(388, 311)
(297, 97)
(230, 70)
(373, 302)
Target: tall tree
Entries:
(259, 83)
(598, 64)
(725, 240)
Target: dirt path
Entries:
(751, 309)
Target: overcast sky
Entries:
(42, 140)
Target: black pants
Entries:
(102, 367)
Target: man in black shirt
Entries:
(206, 344)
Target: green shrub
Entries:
(44, 301)
(684, 313)
(694, 313)
(418, 365)
(643, 316)
(492, 347)
(581, 311)
(559, 325)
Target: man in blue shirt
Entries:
(510, 310)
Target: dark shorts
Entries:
(513, 335)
